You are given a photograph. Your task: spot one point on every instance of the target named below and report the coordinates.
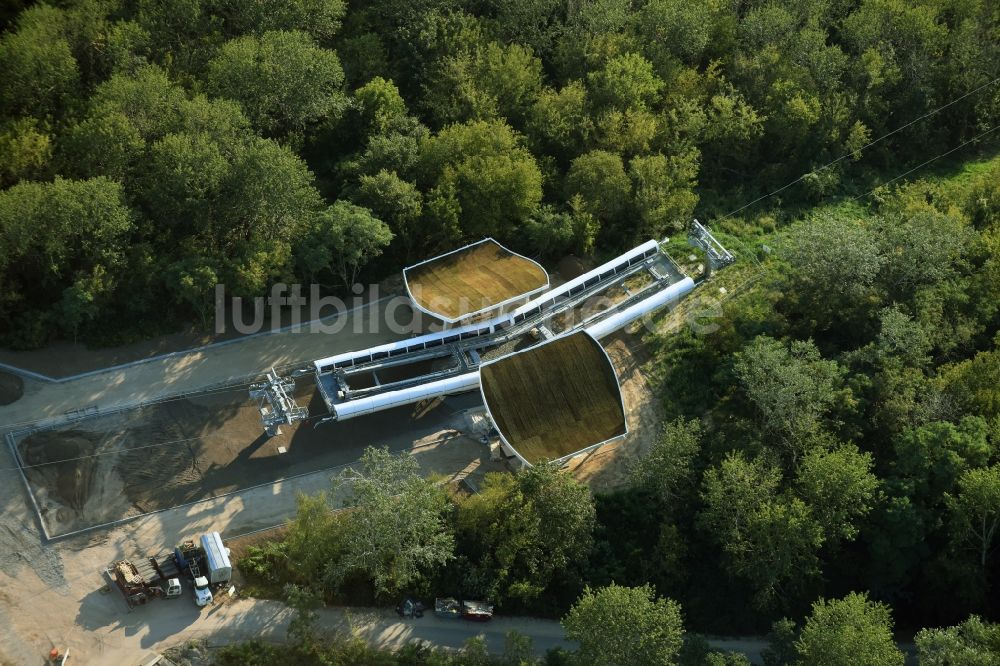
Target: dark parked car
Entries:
(410, 608)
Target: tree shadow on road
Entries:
(108, 609)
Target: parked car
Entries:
(410, 608)
(477, 611)
(447, 607)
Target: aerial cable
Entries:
(863, 148)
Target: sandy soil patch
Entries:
(605, 468)
(115, 466)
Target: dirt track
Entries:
(606, 467)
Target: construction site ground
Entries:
(136, 461)
(51, 592)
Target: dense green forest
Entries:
(152, 149)
(834, 435)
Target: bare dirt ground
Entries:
(50, 593)
(125, 464)
(605, 468)
(196, 370)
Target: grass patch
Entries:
(556, 398)
(474, 278)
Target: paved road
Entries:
(167, 623)
(196, 369)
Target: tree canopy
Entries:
(852, 630)
(625, 625)
(395, 530)
(553, 129)
(831, 401)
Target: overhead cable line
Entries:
(863, 148)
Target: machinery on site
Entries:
(141, 580)
(205, 563)
(217, 564)
(190, 557)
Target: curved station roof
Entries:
(473, 279)
(556, 399)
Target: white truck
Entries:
(206, 563)
(202, 592)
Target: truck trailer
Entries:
(142, 580)
(191, 558)
(206, 562)
(218, 569)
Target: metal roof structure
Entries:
(607, 298)
(555, 400)
(473, 279)
(446, 362)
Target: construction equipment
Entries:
(191, 557)
(718, 256)
(281, 406)
(206, 564)
(219, 569)
(142, 580)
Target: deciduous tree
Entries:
(971, 643)
(834, 263)
(283, 81)
(852, 630)
(523, 531)
(395, 532)
(666, 469)
(975, 510)
(625, 82)
(839, 488)
(320, 18)
(618, 625)
(484, 168)
(40, 72)
(599, 178)
(769, 538)
(343, 238)
(792, 388)
(664, 192)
